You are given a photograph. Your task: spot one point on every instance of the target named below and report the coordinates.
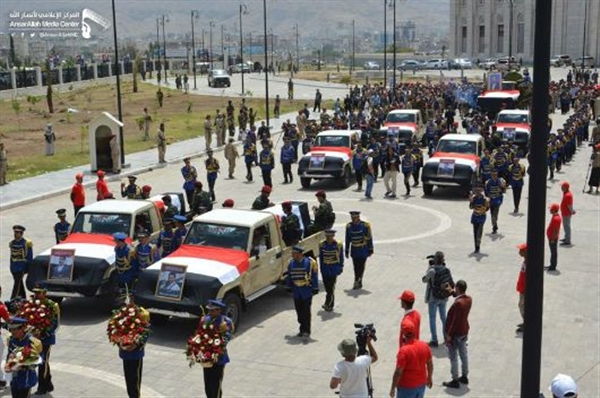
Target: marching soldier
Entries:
(179, 233)
(145, 253)
(44, 376)
(262, 201)
(23, 378)
(127, 270)
(486, 166)
(359, 245)
(212, 171)
(266, 161)
(249, 157)
(408, 167)
(190, 175)
(324, 215)
(480, 205)
(494, 189)
(61, 228)
(499, 160)
(165, 238)
(331, 257)
(418, 156)
(132, 356)
(516, 171)
(288, 156)
(131, 191)
(21, 255)
(290, 225)
(202, 202)
(303, 280)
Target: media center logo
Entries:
(58, 24)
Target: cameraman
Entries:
(351, 373)
(439, 287)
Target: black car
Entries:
(218, 78)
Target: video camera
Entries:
(364, 331)
(432, 260)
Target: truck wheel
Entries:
(427, 189)
(234, 307)
(346, 178)
(158, 319)
(305, 182)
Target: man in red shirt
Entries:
(78, 193)
(521, 285)
(407, 299)
(5, 316)
(414, 366)
(566, 211)
(457, 330)
(102, 187)
(552, 232)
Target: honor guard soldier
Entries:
(331, 257)
(127, 270)
(359, 245)
(212, 171)
(202, 202)
(61, 228)
(480, 205)
(21, 255)
(290, 225)
(165, 238)
(418, 156)
(359, 158)
(78, 194)
(48, 340)
(179, 233)
(500, 161)
(486, 166)
(190, 176)
(262, 201)
(145, 253)
(288, 156)
(23, 377)
(213, 376)
(132, 356)
(303, 280)
(131, 191)
(249, 158)
(266, 161)
(408, 167)
(494, 189)
(324, 215)
(516, 172)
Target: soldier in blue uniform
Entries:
(249, 158)
(486, 166)
(266, 161)
(24, 377)
(331, 258)
(212, 171)
(359, 245)
(480, 205)
(132, 356)
(61, 228)
(44, 376)
(145, 253)
(190, 176)
(126, 269)
(408, 167)
(303, 280)
(21, 255)
(500, 162)
(164, 244)
(418, 155)
(288, 156)
(131, 191)
(494, 189)
(213, 376)
(179, 233)
(516, 172)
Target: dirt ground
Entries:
(22, 131)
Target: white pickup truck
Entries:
(228, 254)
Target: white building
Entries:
(482, 28)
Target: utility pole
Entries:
(395, 48)
(385, 43)
(195, 15)
(353, 47)
(266, 61)
(158, 43)
(165, 18)
(585, 18)
(223, 45)
(510, 30)
(210, 37)
(118, 74)
(244, 10)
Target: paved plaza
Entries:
(267, 360)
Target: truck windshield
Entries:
(512, 118)
(102, 223)
(400, 118)
(218, 235)
(457, 146)
(333, 140)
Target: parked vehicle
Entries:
(488, 64)
(218, 78)
(437, 64)
(462, 63)
(237, 68)
(370, 65)
(507, 63)
(410, 64)
(561, 60)
(586, 62)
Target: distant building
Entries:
(481, 28)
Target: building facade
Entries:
(482, 29)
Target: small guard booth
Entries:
(101, 128)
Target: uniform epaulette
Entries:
(28, 243)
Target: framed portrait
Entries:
(61, 265)
(509, 133)
(317, 162)
(170, 281)
(494, 81)
(446, 168)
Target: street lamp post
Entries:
(394, 27)
(204, 46)
(297, 49)
(353, 46)
(585, 18)
(118, 74)
(223, 44)
(266, 61)
(510, 30)
(158, 44)
(196, 15)
(210, 25)
(244, 11)
(272, 51)
(384, 43)
(165, 18)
